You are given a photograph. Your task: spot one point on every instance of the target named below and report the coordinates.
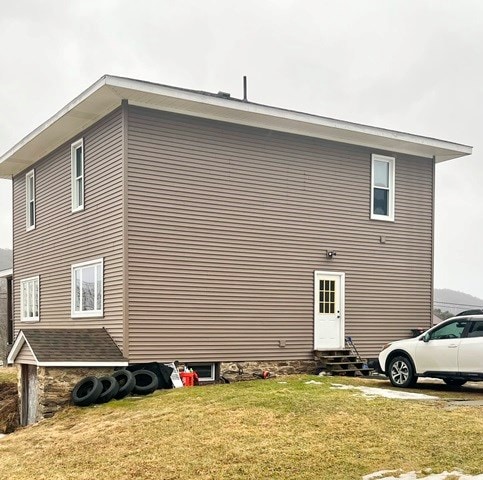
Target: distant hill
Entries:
(454, 302)
(5, 259)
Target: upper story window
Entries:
(29, 299)
(87, 286)
(77, 160)
(30, 199)
(382, 188)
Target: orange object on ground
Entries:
(188, 378)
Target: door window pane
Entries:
(327, 296)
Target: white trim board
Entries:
(6, 273)
(107, 93)
(17, 346)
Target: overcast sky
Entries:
(411, 65)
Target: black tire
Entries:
(109, 388)
(401, 372)
(454, 382)
(126, 382)
(146, 382)
(86, 392)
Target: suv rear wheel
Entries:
(401, 372)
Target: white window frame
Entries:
(99, 312)
(391, 161)
(30, 199)
(74, 178)
(211, 378)
(23, 299)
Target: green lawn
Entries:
(251, 430)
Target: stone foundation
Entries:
(236, 371)
(55, 385)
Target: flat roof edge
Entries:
(238, 104)
(110, 89)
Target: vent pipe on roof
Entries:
(245, 99)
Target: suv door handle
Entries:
(452, 346)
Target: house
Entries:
(6, 316)
(183, 225)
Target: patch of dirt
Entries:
(9, 418)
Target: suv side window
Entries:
(453, 329)
(476, 329)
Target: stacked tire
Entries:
(94, 390)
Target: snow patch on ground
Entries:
(383, 392)
(398, 475)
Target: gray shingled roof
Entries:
(73, 345)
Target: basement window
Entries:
(206, 371)
(29, 299)
(30, 199)
(382, 188)
(87, 289)
(77, 161)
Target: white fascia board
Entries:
(83, 364)
(107, 93)
(6, 273)
(17, 346)
(236, 111)
(86, 109)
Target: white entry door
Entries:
(329, 310)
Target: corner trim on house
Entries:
(125, 228)
(433, 201)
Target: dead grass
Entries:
(8, 400)
(8, 375)
(251, 430)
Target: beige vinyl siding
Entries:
(228, 223)
(62, 238)
(25, 356)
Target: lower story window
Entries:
(205, 371)
(87, 289)
(29, 299)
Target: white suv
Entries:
(451, 350)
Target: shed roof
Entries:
(69, 347)
(107, 93)
(6, 273)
